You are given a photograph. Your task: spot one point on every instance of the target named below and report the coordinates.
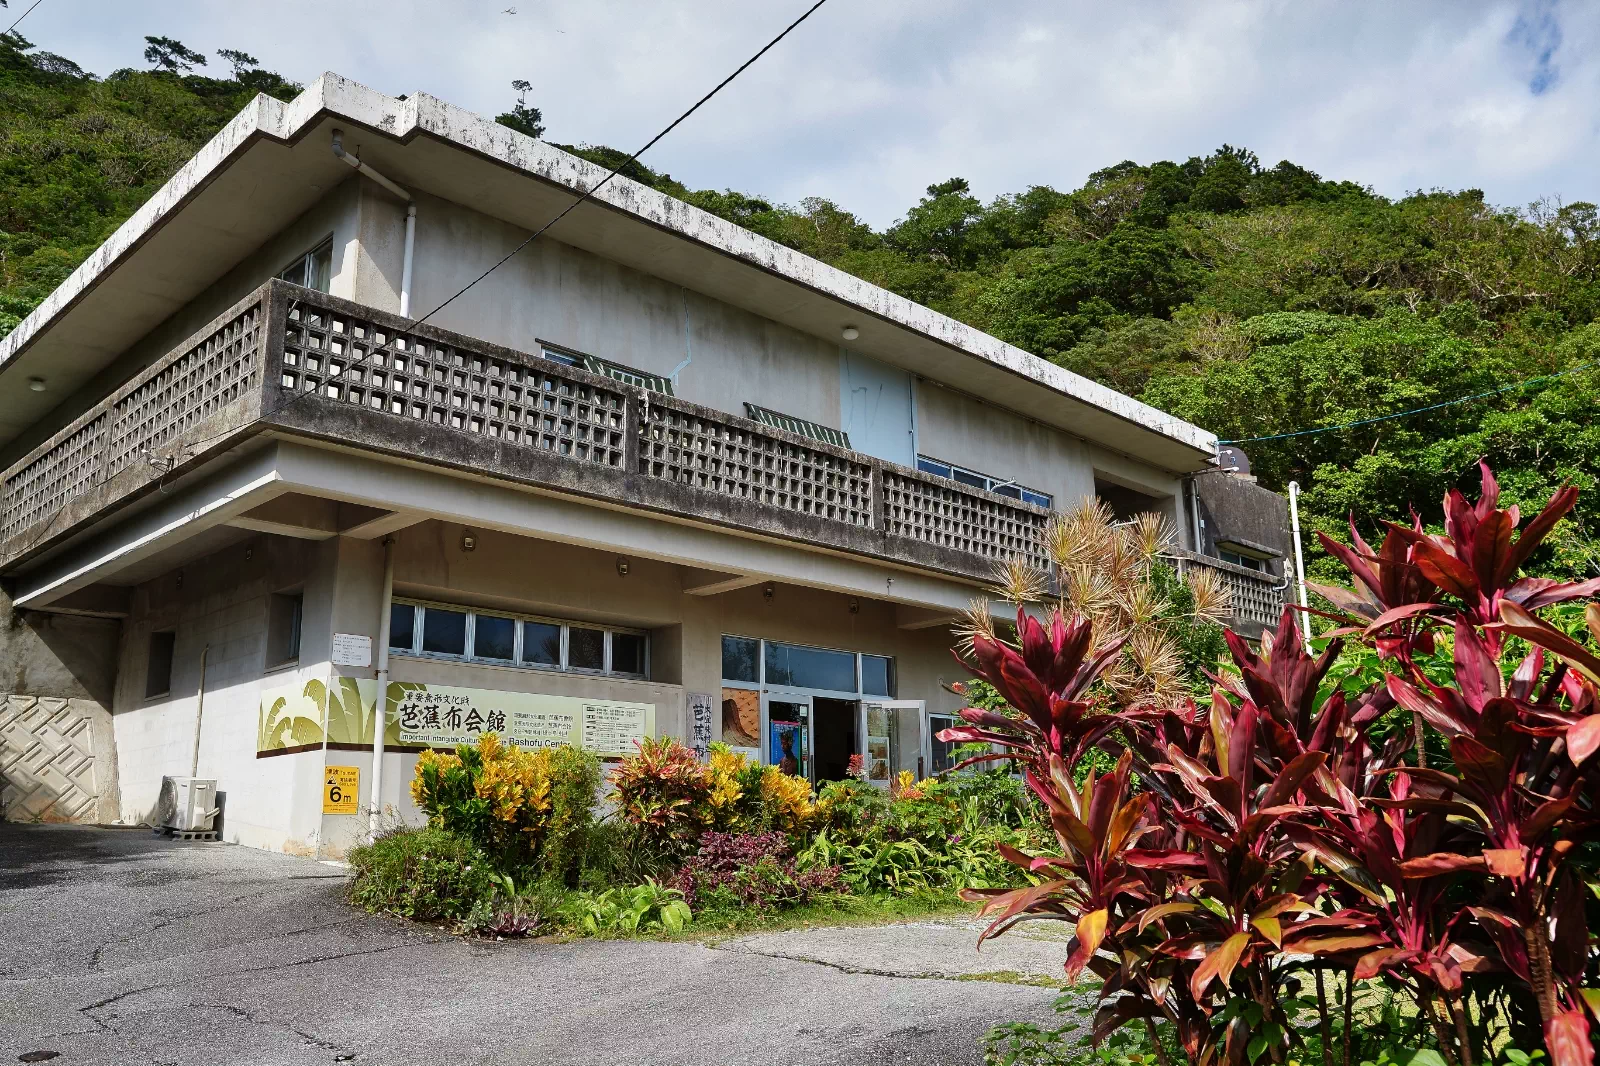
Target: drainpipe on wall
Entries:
(1194, 514)
(1299, 559)
(411, 215)
(199, 711)
(380, 713)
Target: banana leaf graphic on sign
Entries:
(282, 726)
(349, 709)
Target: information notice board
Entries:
(442, 717)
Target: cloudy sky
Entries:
(871, 100)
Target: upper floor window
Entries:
(1249, 562)
(929, 465)
(639, 379)
(313, 270)
(815, 430)
(500, 639)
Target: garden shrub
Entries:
(663, 791)
(522, 808)
(671, 798)
(753, 871)
(426, 875)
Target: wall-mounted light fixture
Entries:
(469, 541)
(850, 333)
(766, 592)
(622, 567)
(855, 605)
(36, 384)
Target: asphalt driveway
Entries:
(118, 947)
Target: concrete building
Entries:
(654, 474)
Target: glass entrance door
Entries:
(788, 738)
(891, 738)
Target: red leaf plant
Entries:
(1288, 829)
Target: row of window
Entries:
(770, 662)
(939, 467)
(516, 640)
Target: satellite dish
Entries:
(1233, 460)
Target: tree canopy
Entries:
(1253, 300)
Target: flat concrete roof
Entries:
(272, 162)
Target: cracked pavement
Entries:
(120, 947)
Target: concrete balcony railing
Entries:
(1257, 597)
(289, 360)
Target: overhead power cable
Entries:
(589, 192)
(22, 16)
(1418, 410)
(616, 170)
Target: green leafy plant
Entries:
(423, 874)
(525, 809)
(630, 910)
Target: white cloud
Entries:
(868, 103)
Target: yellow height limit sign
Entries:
(341, 789)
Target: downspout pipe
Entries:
(411, 214)
(380, 712)
(199, 713)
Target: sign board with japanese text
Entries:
(341, 789)
(352, 649)
(702, 709)
(441, 717)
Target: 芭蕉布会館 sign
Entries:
(441, 716)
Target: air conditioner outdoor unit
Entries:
(187, 803)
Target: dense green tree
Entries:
(521, 117)
(170, 55)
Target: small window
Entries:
(815, 430)
(283, 628)
(402, 626)
(803, 667)
(942, 752)
(444, 632)
(739, 658)
(556, 355)
(999, 486)
(877, 675)
(1249, 562)
(586, 648)
(639, 379)
(541, 644)
(313, 270)
(509, 640)
(627, 653)
(494, 637)
(158, 665)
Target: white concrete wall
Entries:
(554, 292)
(221, 606)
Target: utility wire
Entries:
(22, 16)
(596, 188)
(1418, 410)
(507, 258)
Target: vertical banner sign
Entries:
(702, 708)
(341, 789)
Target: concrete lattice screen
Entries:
(178, 393)
(295, 361)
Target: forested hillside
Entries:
(1252, 300)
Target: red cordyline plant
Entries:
(1287, 830)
